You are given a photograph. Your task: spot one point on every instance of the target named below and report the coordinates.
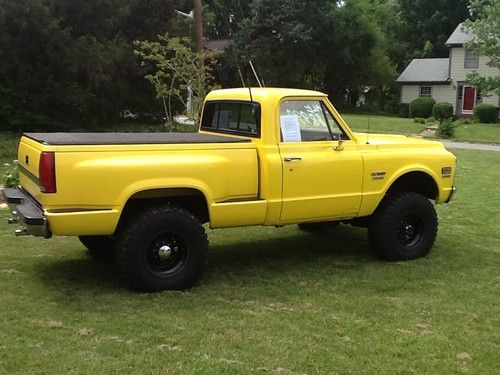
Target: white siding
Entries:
(440, 93)
(458, 72)
(409, 93)
(494, 100)
(444, 93)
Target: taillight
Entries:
(47, 172)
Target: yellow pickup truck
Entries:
(264, 156)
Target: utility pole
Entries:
(198, 25)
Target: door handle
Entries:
(292, 158)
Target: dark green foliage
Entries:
(442, 111)
(313, 44)
(420, 28)
(419, 120)
(446, 129)
(404, 110)
(72, 61)
(421, 107)
(486, 113)
(10, 175)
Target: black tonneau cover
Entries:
(60, 139)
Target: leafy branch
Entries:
(178, 70)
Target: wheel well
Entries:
(418, 182)
(191, 200)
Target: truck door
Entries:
(322, 178)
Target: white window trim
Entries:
(420, 92)
(476, 59)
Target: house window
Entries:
(471, 59)
(426, 91)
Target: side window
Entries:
(240, 118)
(306, 121)
(471, 59)
(425, 91)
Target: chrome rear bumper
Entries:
(27, 212)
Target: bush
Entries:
(403, 110)
(430, 119)
(422, 107)
(10, 175)
(446, 129)
(419, 120)
(442, 111)
(486, 113)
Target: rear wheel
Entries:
(403, 227)
(99, 247)
(162, 248)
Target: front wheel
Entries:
(162, 248)
(403, 227)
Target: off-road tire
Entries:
(403, 227)
(161, 248)
(318, 227)
(99, 247)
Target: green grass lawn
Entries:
(477, 132)
(8, 147)
(474, 132)
(275, 301)
(383, 124)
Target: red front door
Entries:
(469, 98)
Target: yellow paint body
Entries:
(243, 183)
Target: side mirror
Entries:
(340, 145)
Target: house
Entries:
(444, 79)
(367, 98)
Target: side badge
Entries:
(378, 175)
(27, 160)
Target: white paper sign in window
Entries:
(290, 128)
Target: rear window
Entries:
(240, 118)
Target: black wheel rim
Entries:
(166, 254)
(410, 230)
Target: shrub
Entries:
(486, 113)
(10, 175)
(430, 119)
(442, 111)
(419, 120)
(403, 110)
(446, 129)
(422, 107)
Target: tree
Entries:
(320, 44)
(486, 41)
(71, 62)
(177, 71)
(419, 28)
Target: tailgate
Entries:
(29, 157)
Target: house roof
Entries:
(426, 70)
(459, 37)
(218, 44)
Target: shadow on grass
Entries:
(339, 248)
(344, 246)
(83, 273)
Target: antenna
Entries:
(241, 77)
(250, 91)
(255, 73)
(368, 131)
